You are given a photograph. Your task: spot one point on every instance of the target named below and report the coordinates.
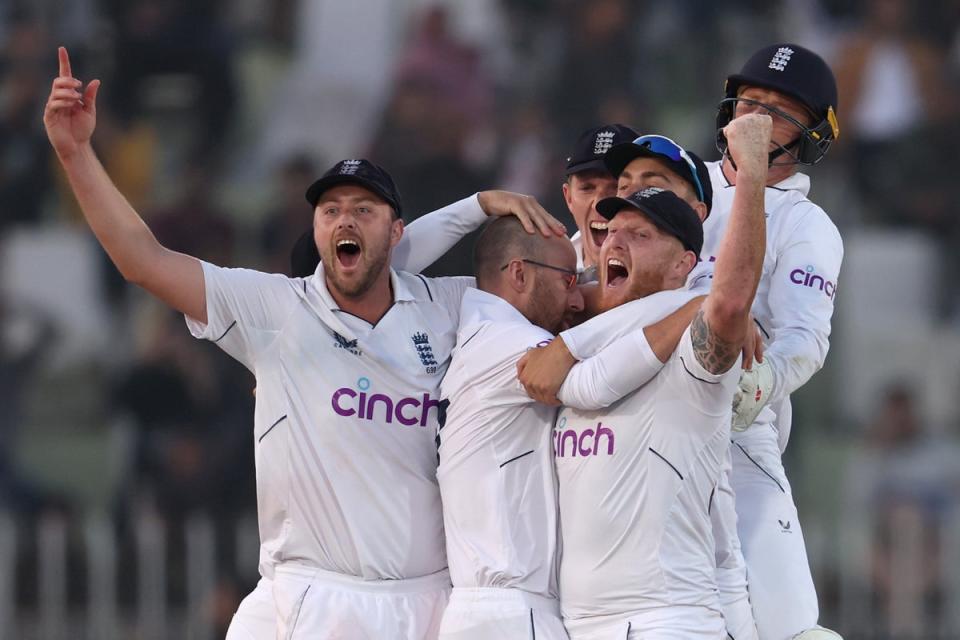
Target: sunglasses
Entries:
(570, 275)
(664, 146)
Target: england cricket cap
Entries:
(360, 172)
(593, 143)
(668, 211)
(682, 162)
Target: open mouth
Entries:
(348, 253)
(598, 232)
(616, 272)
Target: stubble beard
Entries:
(357, 287)
(543, 304)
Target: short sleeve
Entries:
(245, 310)
(711, 392)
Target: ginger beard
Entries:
(637, 260)
(355, 233)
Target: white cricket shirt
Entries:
(345, 420)
(795, 297)
(496, 457)
(636, 482)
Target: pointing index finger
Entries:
(65, 71)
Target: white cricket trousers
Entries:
(665, 623)
(256, 617)
(486, 613)
(781, 588)
(321, 605)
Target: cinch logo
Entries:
(807, 278)
(349, 402)
(585, 443)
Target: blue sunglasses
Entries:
(664, 146)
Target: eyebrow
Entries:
(348, 200)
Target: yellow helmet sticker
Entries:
(832, 119)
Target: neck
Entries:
(776, 174)
(371, 305)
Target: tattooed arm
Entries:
(719, 329)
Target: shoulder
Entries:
(796, 218)
(250, 278)
(426, 289)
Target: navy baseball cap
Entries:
(668, 211)
(685, 164)
(360, 172)
(593, 144)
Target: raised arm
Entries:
(70, 118)
(428, 237)
(719, 329)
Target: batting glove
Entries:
(752, 394)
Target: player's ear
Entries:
(701, 209)
(516, 275)
(687, 262)
(396, 231)
(567, 192)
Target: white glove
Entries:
(752, 394)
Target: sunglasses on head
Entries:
(664, 146)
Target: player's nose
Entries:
(575, 300)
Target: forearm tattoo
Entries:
(713, 353)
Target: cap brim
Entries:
(592, 165)
(325, 184)
(620, 155)
(610, 207)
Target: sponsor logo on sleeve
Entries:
(808, 277)
(361, 403)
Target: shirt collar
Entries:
(401, 292)
(480, 306)
(799, 182)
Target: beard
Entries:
(374, 261)
(641, 283)
(547, 312)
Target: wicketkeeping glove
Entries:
(752, 394)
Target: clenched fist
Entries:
(748, 143)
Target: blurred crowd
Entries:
(216, 114)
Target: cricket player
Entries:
(658, 161)
(348, 364)
(496, 472)
(496, 461)
(588, 181)
(793, 308)
(638, 479)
